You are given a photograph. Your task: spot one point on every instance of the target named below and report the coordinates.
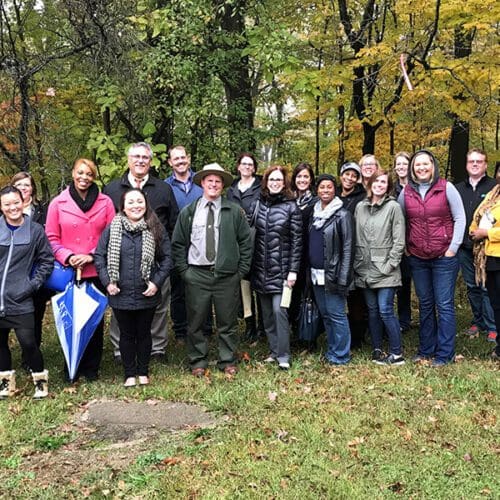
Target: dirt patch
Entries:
(110, 435)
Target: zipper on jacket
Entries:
(4, 276)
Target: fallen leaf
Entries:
(468, 457)
(407, 435)
(281, 434)
(244, 356)
(356, 441)
(171, 461)
(272, 395)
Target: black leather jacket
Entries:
(338, 246)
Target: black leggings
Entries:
(135, 339)
(31, 352)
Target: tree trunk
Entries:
(235, 77)
(459, 137)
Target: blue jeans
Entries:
(380, 303)
(435, 281)
(332, 308)
(479, 300)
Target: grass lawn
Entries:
(360, 431)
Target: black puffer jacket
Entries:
(278, 243)
(131, 283)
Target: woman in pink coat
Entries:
(75, 220)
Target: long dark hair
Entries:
(287, 191)
(150, 218)
(296, 171)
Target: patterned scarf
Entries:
(304, 200)
(119, 224)
(479, 245)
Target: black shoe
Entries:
(377, 355)
(118, 360)
(91, 376)
(159, 357)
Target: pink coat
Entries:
(71, 231)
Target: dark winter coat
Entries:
(353, 198)
(159, 194)
(472, 198)
(131, 283)
(26, 261)
(278, 243)
(338, 250)
(247, 199)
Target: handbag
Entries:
(60, 277)
(310, 322)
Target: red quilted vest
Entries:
(429, 224)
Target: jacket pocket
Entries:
(24, 291)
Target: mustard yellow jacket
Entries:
(492, 244)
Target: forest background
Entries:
(316, 81)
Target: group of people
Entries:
(353, 246)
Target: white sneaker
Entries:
(270, 359)
(143, 380)
(284, 365)
(129, 382)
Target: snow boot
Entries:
(41, 381)
(7, 384)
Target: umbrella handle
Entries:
(78, 275)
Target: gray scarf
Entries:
(321, 215)
(119, 224)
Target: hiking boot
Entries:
(7, 384)
(492, 336)
(377, 355)
(391, 360)
(41, 381)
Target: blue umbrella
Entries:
(77, 312)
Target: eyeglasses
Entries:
(275, 180)
(140, 157)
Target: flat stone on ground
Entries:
(124, 420)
